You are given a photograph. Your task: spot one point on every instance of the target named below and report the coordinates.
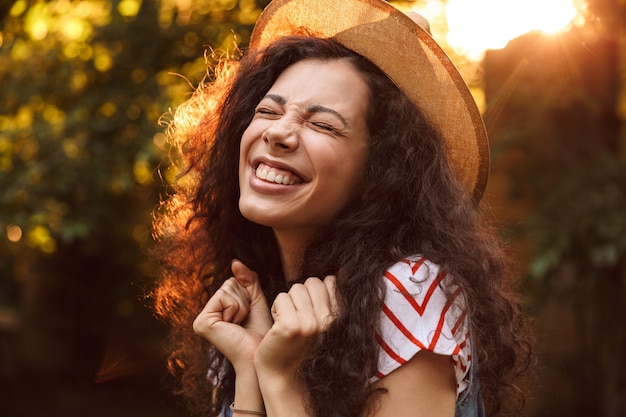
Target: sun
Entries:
(478, 25)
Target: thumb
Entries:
(247, 278)
(259, 319)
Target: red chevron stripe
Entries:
(442, 319)
(464, 342)
(417, 265)
(459, 321)
(411, 300)
(458, 348)
(389, 351)
(401, 327)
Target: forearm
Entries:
(300, 315)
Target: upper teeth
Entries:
(267, 174)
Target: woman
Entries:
(323, 255)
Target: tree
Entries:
(84, 84)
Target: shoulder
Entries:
(412, 274)
(418, 290)
(421, 310)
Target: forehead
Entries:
(314, 81)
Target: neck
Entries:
(292, 246)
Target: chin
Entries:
(256, 214)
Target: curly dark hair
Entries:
(411, 204)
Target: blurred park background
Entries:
(86, 88)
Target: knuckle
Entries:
(198, 326)
(296, 287)
(312, 281)
(229, 283)
(280, 298)
(285, 331)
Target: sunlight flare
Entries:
(479, 25)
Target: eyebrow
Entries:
(311, 109)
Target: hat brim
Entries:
(410, 58)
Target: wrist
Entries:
(277, 379)
(247, 393)
(284, 370)
(236, 411)
(283, 394)
(245, 370)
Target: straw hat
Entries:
(408, 55)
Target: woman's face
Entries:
(303, 154)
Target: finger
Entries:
(234, 308)
(320, 299)
(217, 310)
(235, 311)
(331, 286)
(301, 299)
(249, 280)
(231, 300)
(244, 275)
(311, 307)
(233, 287)
(333, 305)
(283, 311)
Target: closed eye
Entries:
(264, 110)
(324, 126)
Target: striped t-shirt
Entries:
(417, 315)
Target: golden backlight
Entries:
(478, 25)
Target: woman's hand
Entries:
(236, 318)
(299, 316)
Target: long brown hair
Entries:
(411, 204)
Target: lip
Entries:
(265, 187)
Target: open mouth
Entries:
(277, 176)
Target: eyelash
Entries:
(324, 126)
(264, 110)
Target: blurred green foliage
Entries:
(84, 85)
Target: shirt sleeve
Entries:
(417, 314)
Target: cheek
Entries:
(356, 173)
(344, 168)
(247, 139)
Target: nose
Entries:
(282, 135)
